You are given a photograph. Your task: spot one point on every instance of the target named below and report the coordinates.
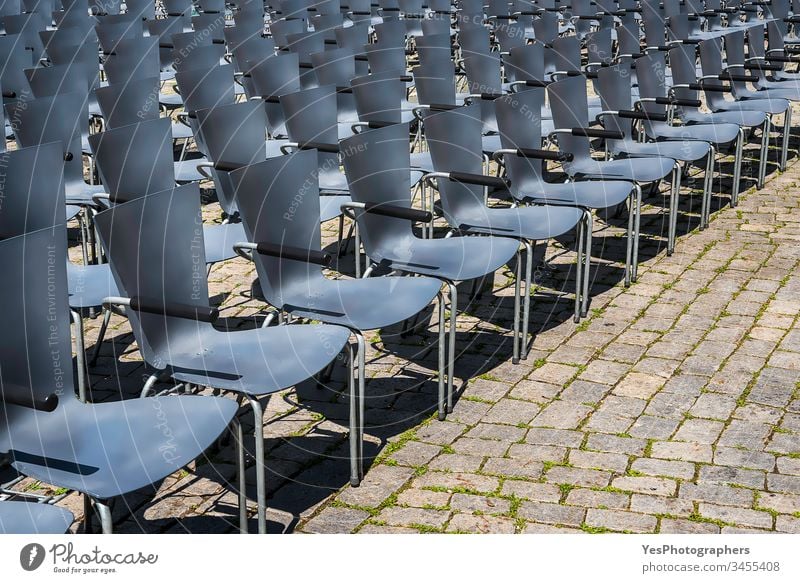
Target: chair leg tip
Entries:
(515, 361)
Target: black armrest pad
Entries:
(24, 398)
(776, 59)
(535, 83)
(544, 154)
(379, 124)
(491, 96)
(682, 102)
(175, 310)
(397, 212)
(294, 253)
(732, 77)
(763, 67)
(441, 106)
(709, 87)
(596, 133)
(9, 94)
(479, 179)
(648, 115)
(322, 147)
(226, 166)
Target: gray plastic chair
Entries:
(286, 249)
(129, 102)
(33, 518)
(523, 160)
(311, 119)
(377, 165)
(453, 137)
(33, 199)
(711, 62)
(102, 450)
(686, 87)
(571, 117)
(337, 67)
(172, 322)
(136, 160)
(132, 59)
(276, 76)
(619, 113)
(656, 97)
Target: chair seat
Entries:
(259, 361)
(181, 131)
(454, 259)
(333, 181)
(422, 161)
(687, 150)
(186, 170)
(744, 118)
(170, 100)
(770, 105)
(330, 206)
(72, 211)
(89, 285)
(362, 304)
(82, 194)
(109, 449)
(534, 223)
(713, 133)
(785, 90)
(219, 240)
(595, 195)
(635, 169)
(32, 518)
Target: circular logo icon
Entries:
(31, 556)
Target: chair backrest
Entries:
(651, 72)
(199, 58)
(57, 118)
(392, 31)
(311, 115)
(135, 160)
(282, 28)
(164, 29)
(279, 203)
(204, 88)
(545, 27)
(27, 26)
(32, 189)
(563, 55)
(135, 58)
(520, 124)
(525, 63)
(711, 64)
(272, 78)
(378, 98)
(434, 49)
(253, 50)
(36, 345)
(474, 41)
(144, 9)
(377, 165)
(510, 35)
(334, 66)
(233, 136)
(614, 84)
(14, 59)
(64, 37)
(683, 68)
(128, 102)
(570, 107)
(454, 139)
(385, 56)
(113, 29)
(178, 7)
(484, 74)
(353, 37)
(435, 85)
(162, 227)
(211, 26)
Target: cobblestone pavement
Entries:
(675, 407)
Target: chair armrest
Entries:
(173, 310)
(674, 101)
(534, 153)
(528, 83)
(726, 76)
(388, 210)
(477, 179)
(14, 395)
(372, 125)
(287, 252)
(631, 114)
(596, 133)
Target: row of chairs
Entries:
(323, 120)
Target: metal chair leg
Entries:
(762, 169)
(238, 435)
(587, 257)
(442, 350)
(637, 227)
(737, 168)
(104, 511)
(581, 238)
(787, 131)
(517, 287)
(353, 401)
(80, 357)
(629, 242)
(261, 477)
(100, 336)
(451, 357)
(708, 184)
(526, 309)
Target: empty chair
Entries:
(136, 160)
(269, 80)
(377, 166)
(523, 160)
(288, 258)
(103, 450)
(453, 137)
(176, 319)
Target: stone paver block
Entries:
(619, 520)
(531, 490)
(551, 513)
(379, 483)
(481, 524)
(676, 450)
(398, 516)
(484, 504)
(335, 520)
(578, 477)
(666, 468)
(737, 516)
(716, 493)
(423, 498)
(615, 462)
(645, 485)
(596, 499)
(457, 481)
(562, 415)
